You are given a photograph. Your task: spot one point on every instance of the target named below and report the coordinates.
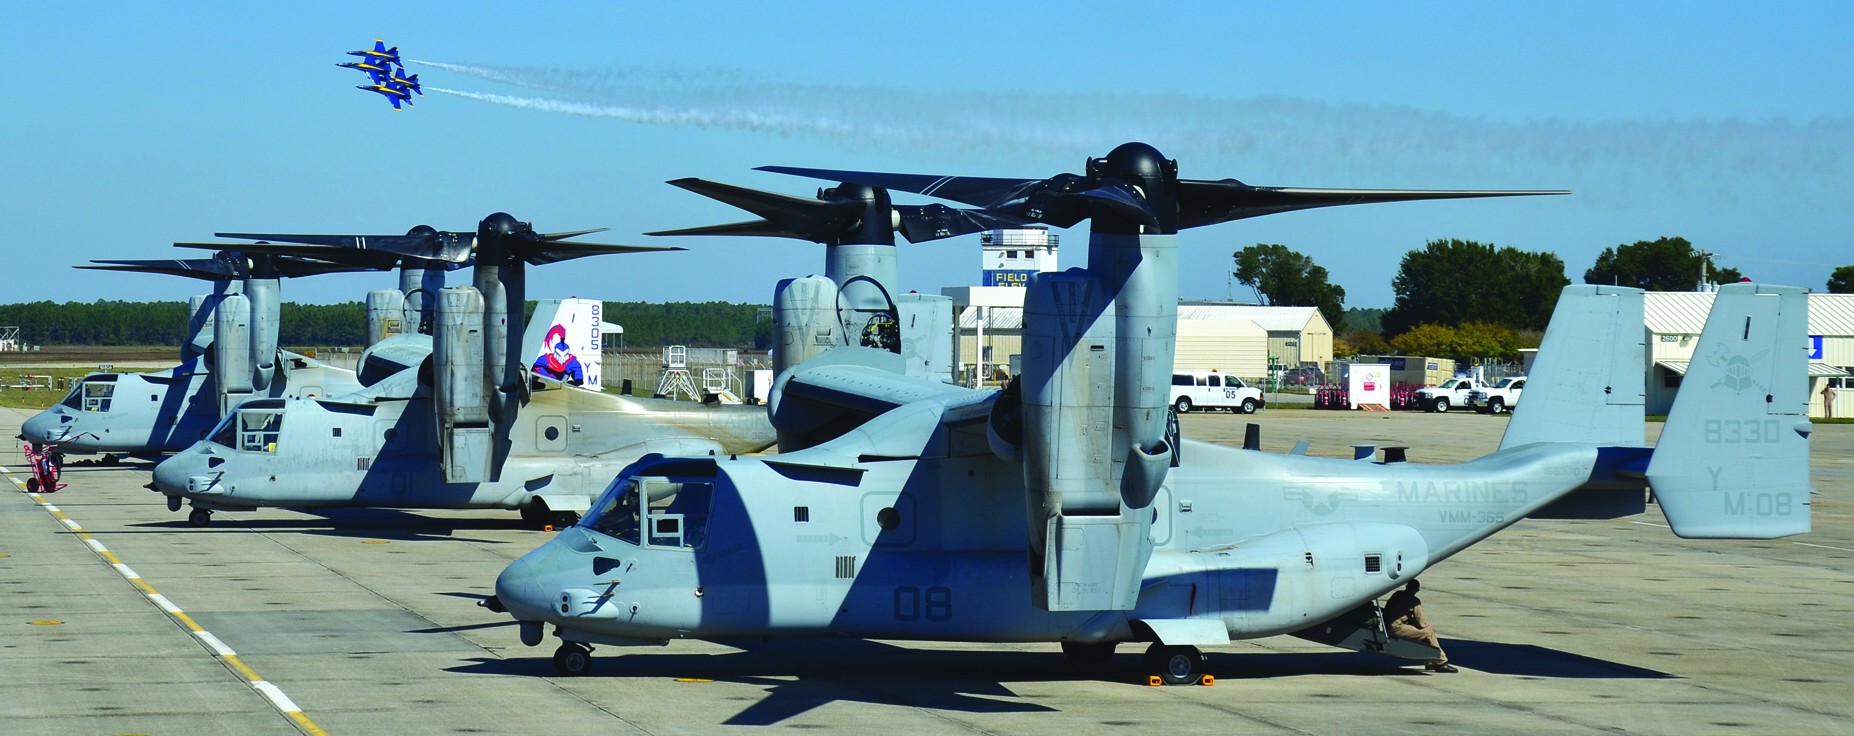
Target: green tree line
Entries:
(116, 322)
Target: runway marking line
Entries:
(213, 644)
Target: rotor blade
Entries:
(1123, 200)
(1029, 200)
(452, 247)
(760, 228)
(1210, 202)
(372, 259)
(924, 222)
(206, 269)
(973, 190)
(571, 234)
(809, 219)
(290, 267)
(539, 254)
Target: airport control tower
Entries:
(1008, 257)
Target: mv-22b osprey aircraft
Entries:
(453, 419)
(231, 355)
(1059, 510)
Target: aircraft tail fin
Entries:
(1587, 384)
(1733, 460)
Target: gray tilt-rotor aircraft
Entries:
(453, 419)
(1061, 511)
(231, 355)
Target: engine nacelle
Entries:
(461, 387)
(231, 352)
(386, 315)
(265, 296)
(804, 321)
(927, 335)
(200, 310)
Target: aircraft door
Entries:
(550, 434)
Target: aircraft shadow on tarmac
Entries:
(829, 670)
(390, 524)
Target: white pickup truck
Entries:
(1452, 393)
(1498, 398)
(1210, 389)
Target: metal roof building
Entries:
(1673, 323)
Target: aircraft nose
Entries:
(170, 477)
(519, 588)
(43, 427)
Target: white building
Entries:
(1674, 321)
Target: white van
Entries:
(1213, 390)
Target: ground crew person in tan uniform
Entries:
(1403, 617)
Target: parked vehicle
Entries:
(1213, 390)
(1498, 398)
(1452, 393)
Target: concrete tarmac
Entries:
(118, 617)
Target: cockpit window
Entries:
(617, 513)
(259, 429)
(93, 393)
(224, 433)
(675, 514)
(97, 394)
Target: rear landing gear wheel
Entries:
(1090, 652)
(1176, 665)
(200, 517)
(573, 659)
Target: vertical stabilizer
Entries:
(1587, 384)
(563, 341)
(1733, 461)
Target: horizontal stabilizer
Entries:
(1733, 461)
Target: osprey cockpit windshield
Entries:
(93, 393)
(664, 505)
(255, 426)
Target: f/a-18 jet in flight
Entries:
(1065, 508)
(387, 72)
(380, 54)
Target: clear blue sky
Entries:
(129, 126)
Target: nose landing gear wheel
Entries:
(1176, 665)
(200, 517)
(573, 659)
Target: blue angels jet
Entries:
(380, 72)
(403, 81)
(380, 54)
(394, 92)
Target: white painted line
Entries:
(72, 524)
(1824, 546)
(126, 572)
(49, 507)
(277, 698)
(213, 643)
(96, 545)
(1650, 523)
(164, 603)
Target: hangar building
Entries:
(1674, 321)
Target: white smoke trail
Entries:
(1312, 138)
